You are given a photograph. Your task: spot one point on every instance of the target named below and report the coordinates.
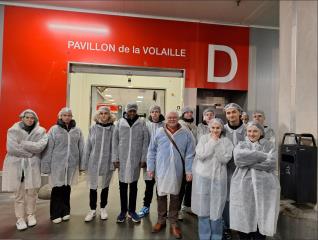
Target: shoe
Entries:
(31, 220)
(21, 224)
(134, 217)
(66, 217)
(158, 227)
(121, 217)
(227, 234)
(103, 214)
(90, 215)
(176, 231)
(57, 220)
(143, 212)
(180, 215)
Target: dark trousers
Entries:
(149, 192)
(93, 198)
(173, 208)
(123, 190)
(226, 216)
(185, 194)
(60, 201)
(252, 236)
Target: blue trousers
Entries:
(210, 230)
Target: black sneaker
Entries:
(227, 234)
(121, 217)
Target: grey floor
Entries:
(76, 228)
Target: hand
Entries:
(188, 177)
(150, 174)
(29, 155)
(215, 137)
(143, 164)
(116, 164)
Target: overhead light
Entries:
(139, 101)
(80, 28)
(140, 97)
(111, 100)
(107, 95)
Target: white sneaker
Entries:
(66, 217)
(31, 220)
(103, 214)
(57, 220)
(90, 215)
(21, 224)
(180, 215)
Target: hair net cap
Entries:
(65, 110)
(155, 108)
(218, 121)
(131, 106)
(207, 111)
(260, 112)
(103, 109)
(233, 105)
(22, 115)
(259, 126)
(187, 109)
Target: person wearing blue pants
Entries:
(209, 186)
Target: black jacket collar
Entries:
(62, 124)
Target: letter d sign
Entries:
(211, 56)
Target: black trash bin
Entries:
(298, 168)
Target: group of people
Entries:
(223, 173)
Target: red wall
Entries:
(35, 55)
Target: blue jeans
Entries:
(210, 230)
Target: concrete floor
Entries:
(76, 228)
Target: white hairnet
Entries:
(259, 126)
(96, 118)
(233, 105)
(155, 108)
(63, 111)
(131, 106)
(22, 115)
(103, 109)
(218, 121)
(207, 111)
(260, 112)
(186, 109)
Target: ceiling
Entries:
(237, 12)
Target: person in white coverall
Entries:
(61, 160)
(170, 156)
(21, 169)
(97, 161)
(209, 185)
(255, 189)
